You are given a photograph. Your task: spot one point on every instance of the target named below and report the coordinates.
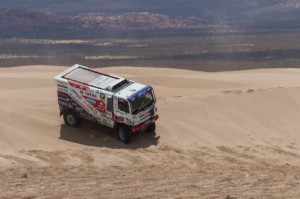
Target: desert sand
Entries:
(219, 134)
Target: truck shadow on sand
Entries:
(92, 134)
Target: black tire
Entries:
(152, 127)
(123, 133)
(71, 119)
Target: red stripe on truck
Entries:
(78, 85)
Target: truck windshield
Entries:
(142, 102)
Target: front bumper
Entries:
(143, 126)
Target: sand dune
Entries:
(219, 134)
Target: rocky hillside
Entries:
(213, 10)
(15, 22)
(137, 21)
(15, 19)
(53, 17)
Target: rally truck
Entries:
(119, 103)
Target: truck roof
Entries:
(90, 77)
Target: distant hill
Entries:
(11, 19)
(138, 21)
(53, 18)
(213, 10)
(17, 22)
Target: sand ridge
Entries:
(227, 133)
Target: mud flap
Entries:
(61, 111)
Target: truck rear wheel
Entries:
(152, 127)
(71, 119)
(123, 134)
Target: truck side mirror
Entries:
(109, 106)
(123, 105)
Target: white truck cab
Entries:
(124, 105)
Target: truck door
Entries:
(122, 111)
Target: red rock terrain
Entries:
(15, 19)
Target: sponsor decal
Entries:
(61, 83)
(76, 94)
(120, 119)
(61, 94)
(89, 94)
(104, 121)
(102, 96)
(62, 88)
(91, 108)
(99, 105)
(73, 103)
(84, 108)
(119, 112)
(128, 121)
(91, 100)
(78, 85)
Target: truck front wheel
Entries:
(123, 133)
(71, 119)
